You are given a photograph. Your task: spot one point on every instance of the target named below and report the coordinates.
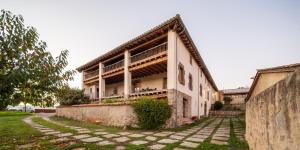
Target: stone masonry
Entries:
(273, 116)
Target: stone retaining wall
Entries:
(106, 114)
(273, 116)
(221, 113)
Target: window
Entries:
(181, 74)
(191, 59)
(165, 83)
(207, 95)
(201, 90)
(190, 82)
(115, 91)
(201, 72)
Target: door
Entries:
(205, 109)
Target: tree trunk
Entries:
(25, 106)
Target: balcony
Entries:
(150, 52)
(91, 75)
(113, 69)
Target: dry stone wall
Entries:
(111, 115)
(273, 116)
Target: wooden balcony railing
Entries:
(150, 52)
(116, 65)
(91, 74)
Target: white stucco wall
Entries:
(153, 81)
(183, 57)
(109, 88)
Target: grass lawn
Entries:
(14, 131)
(83, 124)
(48, 124)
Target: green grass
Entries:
(235, 141)
(14, 131)
(48, 124)
(206, 145)
(83, 124)
(195, 123)
(136, 147)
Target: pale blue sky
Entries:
(234, 37)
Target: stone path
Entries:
(238, 130)
(186, 139)
(222, 134)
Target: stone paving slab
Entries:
(167, 141)
(110, 135)
(189, 144)
(53, 132)
(136, 135)
(100, 133)
(103, 143)
(176, 137)
(84, 131)
(150, 138)
(92, 139)
(124, 133)
(218, 142)
(161, 134)
(139, 142)
(62, 139)
(148, 133)
(121, 139)
(157, 146)
(63, 134)
(81, 136)
(195, 139)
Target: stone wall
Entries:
(106, 114)
(221, 113)
(273, 116)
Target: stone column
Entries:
(172, 78)
(127, 75)
(171, 64)
(101, 82)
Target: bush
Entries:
(218, 105)
(71, 96)
(109, 100)
(152, 113)
(227, 99)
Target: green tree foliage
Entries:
(28, 72)
(152, 113)
(227, 100)
(218, 105)
(71, 96)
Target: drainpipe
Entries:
(198, 92)
(176, 78)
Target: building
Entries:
(162, 63)
(238, 97)
(272, 109)
(267, 77)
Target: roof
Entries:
(284, 68)
(236, 91)
(175, 24)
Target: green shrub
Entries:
(71, 96)
(152, 113)
(218, 105)
(227, 99)
(109, 100)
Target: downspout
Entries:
(198, 93)
(176, 79)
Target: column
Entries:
(101, 82)
(171, 71)
(127, 75)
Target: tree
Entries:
(227, 100)
(71, 96)
(28, 72)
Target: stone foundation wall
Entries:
(273, 116)
(110, 115)
(220, 113)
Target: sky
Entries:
(234, 37)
